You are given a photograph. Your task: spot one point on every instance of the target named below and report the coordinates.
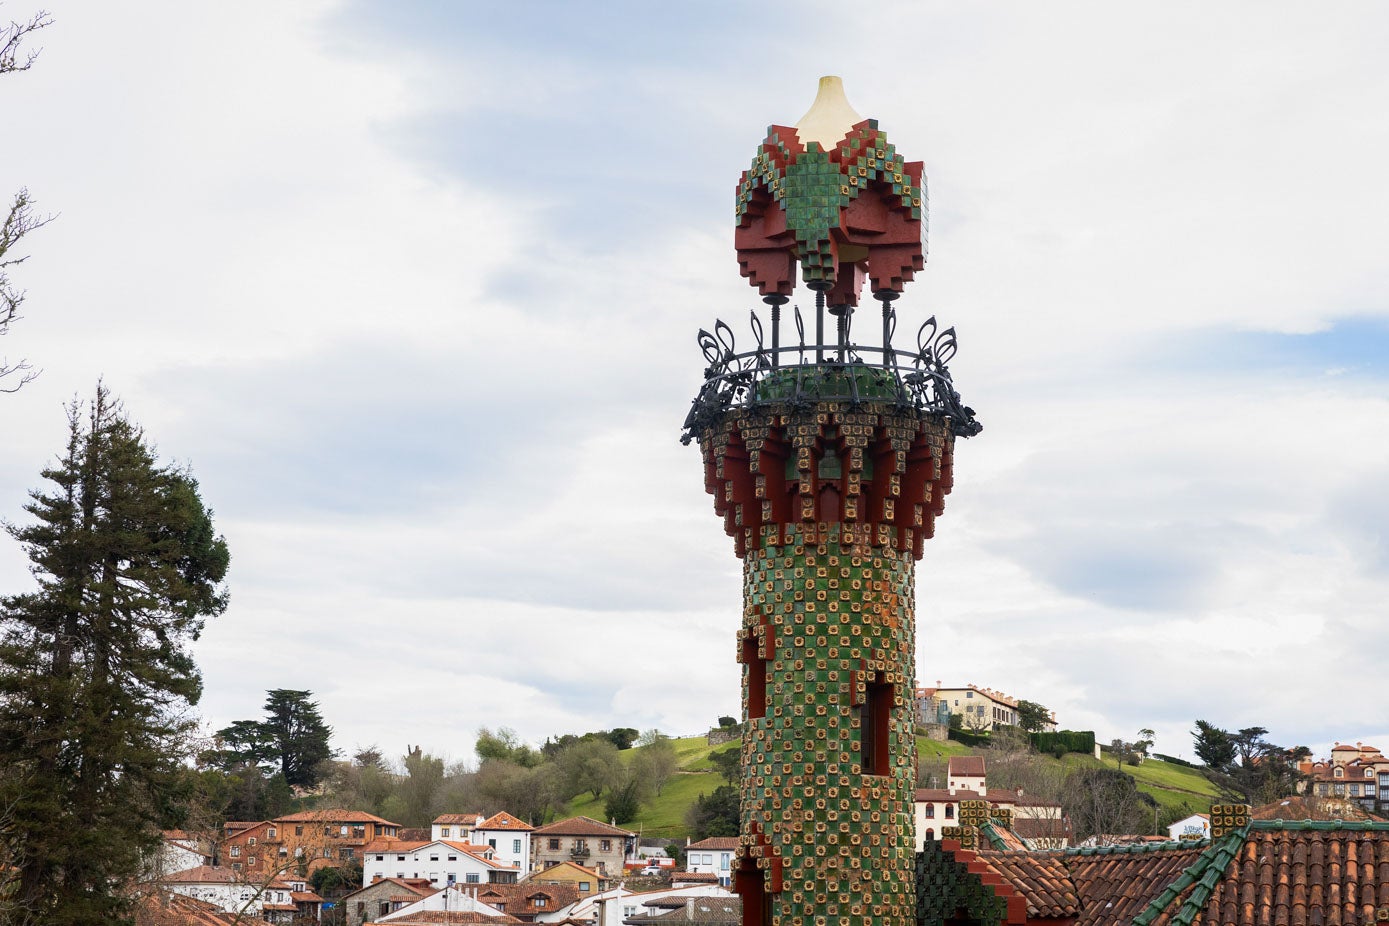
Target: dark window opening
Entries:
(757, 679)
(750, 883)
(874, 721)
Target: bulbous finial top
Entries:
(830, 117)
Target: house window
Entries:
(492, 843)
(327, 831)
(949, 811)
(434, 858)
(347, 854)
(453, 858)
(540, 901)
(444, 832)
(327, 853)
(235, 851)
(1321, 788)
(299, 831)
(251, 861)
(251, 841)
(969, 694)
(385, 906)
(930, 811)
(554, 845)
(471, 877)
(270, 832)
(284, 853)
(236, 866)
(583, 885)
(580, 845)
(515, 845)
(381, 858)
(605, 845)
(1339, 772)
(1369, 773)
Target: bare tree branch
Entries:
(20, 220)
(13, 35)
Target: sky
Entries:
(414, 287)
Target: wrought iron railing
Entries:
(916, 382)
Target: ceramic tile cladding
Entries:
(830, 623)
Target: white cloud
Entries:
(417, 298)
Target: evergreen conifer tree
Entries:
(96, 681)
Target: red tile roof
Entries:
(449, 819)
(516, 897)
(165, 908)
(716, 843)
(504, 821)
(204, 874)
(943, 794)
(333, 816)
(1304, 872)
(972, 766)
(581, 826)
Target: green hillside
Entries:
(1176, 788)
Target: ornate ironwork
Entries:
(917, 380)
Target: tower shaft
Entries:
(829, 504)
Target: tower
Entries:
(828, 459)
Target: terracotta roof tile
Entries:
(715, 843)
(449, 819)
(333, 816)
(516, 897)
(581, 826)
(204, 874)
(163, 908)
(972, 766)
(448, 918)
(504, 821)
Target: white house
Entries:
(1196, 826)
(611, 907)
(509, 837)
(455, 827)
(179, 851)
(226, 889)
(444, 900)
(713, 856)
(440, 862)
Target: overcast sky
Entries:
(414, 289)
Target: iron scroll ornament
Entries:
(801, 374)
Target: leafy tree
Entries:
(714, 814)
(20, 220)
(1213, 746)
(96, 679)
(655, 761)
(413, 803)
(590, 765)
(728, 763)
(293, 736)
(506, 746)
(622, 737)
(1033, 717)
(532, 794)
(1246, 766)
(624, 801)
(725, 722)
(1144, 743)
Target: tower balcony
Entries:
(913, 381)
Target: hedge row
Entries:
(1065, 741)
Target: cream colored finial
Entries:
(830, 117)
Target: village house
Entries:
(382, 897)
(980, 709)
(446, 906)
(1040, 824)
(439, 862)
(229, 890)
(457, 827)
(301, 843)
(525, 900)
(584, 841)
(509, 837)
(712, 856)
(1359, 773)
(584, 881)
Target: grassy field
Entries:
(1175, 787)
